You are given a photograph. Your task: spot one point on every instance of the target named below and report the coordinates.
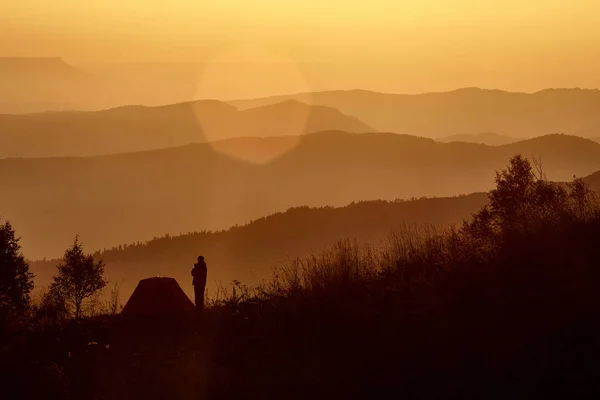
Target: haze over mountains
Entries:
(138, 128)
(39, 84)
(126, 198)
(464, 111)
(134, 172)
(44, 84)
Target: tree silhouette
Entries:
(524, 200)
(513, 189)
(16, 281)
(79, 277)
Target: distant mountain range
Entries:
(50, 84)
(487, 138)
(464, 111)
(249, 253)
(136, 196)
(138, 128)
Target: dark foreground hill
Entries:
(126, 198)
(250, 253)
(138, 128)
(464, 111)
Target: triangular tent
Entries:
(158, 296)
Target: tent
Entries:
(158, 295)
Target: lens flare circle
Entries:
(252, 71)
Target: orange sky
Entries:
(398, 45)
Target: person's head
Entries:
(200, 258)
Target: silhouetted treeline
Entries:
(504, 306)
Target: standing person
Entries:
(199, 273)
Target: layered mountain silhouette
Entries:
(138, 128)
(129, 197)
(464, 111)
(50, 84)
(487, 138)
(250, 252)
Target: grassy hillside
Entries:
(137, 128)
(125, 198)
(465, 111)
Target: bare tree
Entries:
(114, 306)
(79, 277)
(538, 165)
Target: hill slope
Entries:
(137, 128)
(593, 181)
(248, 253)
(464, 111)
(129, 197)
(487, 138)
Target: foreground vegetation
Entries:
(505, 306)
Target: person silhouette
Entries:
(199, 273)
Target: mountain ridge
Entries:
(126, 197)
(463, 111)
(136, 128)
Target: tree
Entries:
(524, 200)
(584, 200)
(513, 191)
(79, 277)
(16, 281)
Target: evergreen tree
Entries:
(16, 281)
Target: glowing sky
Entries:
(399, 45)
